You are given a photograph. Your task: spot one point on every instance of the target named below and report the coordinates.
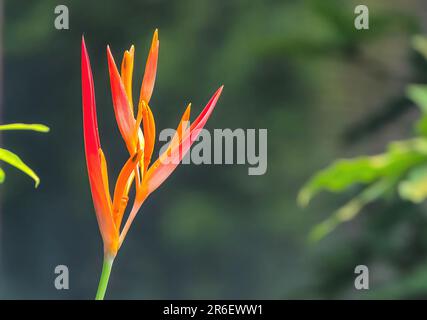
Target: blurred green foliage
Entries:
(402, 167)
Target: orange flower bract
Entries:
(139, 143)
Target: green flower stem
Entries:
(105, 276)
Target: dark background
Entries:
(298, 68)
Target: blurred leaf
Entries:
(351, 208)
(419, 43)
(11, 158)
(341, 174)
(414, 188)
(2, 175)
(418, 94)
(365, 169)
(383, 172)
(421, 125)
(24, 126)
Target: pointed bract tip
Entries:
(219, 91)
(84, 54)
(109, 54)
(155, 38)
(83, 43)
(188, 109)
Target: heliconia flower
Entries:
(139, 143)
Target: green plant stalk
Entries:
(105, 276)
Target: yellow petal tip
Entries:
(155, 41)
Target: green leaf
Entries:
(11, 158)
(2, 175)
(419, 43)
(418, 94)
(414, 188)
(351, 208)
(23, 126)
(382, 172)
(343, 173)
(421, 126)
